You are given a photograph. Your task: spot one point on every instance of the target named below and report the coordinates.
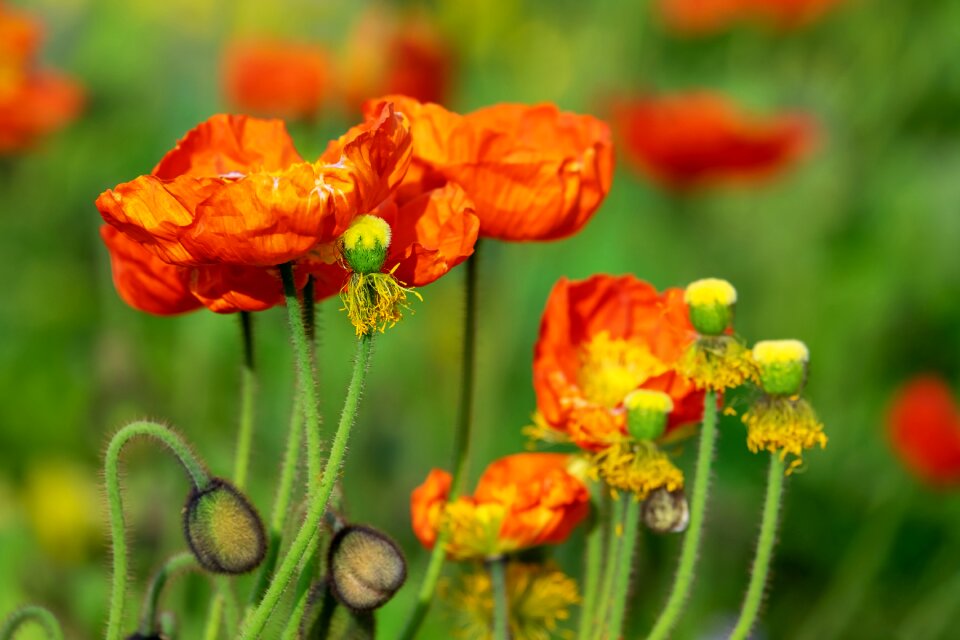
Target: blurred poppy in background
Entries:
(33, 101)
(706, 16)
(392, 53)
(695, 139)
(275, 78)
(924, 427)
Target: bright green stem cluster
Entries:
(198, 476)
(253, 627)
(603, 616)
(691, 539)
(31, 613)
(461, 444)
(501, 609)
(761, 562)
(592, 573)
(151, 599)
(624, 565)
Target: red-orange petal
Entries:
(924, 427)
(232, 288)
(272, 77)
(426, 506)
(43, 102)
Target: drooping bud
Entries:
(223, 529)
(711, 303)
(365, 566)
(666, 511)
(782, 366)
(647, 412)
(365, 243)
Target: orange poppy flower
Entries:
(521, 501)
(924, 427)
(32, 102)
(532, 172)
(705, 16)
(275, 78)
(602, 338)
(391, 54)
(695, 139)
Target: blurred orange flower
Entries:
(275, 78)
(602, 338)
(705, 16)
(32, 101)
(234, 199)
(924, 426)
(388, 53)
(532, 172)
(521, 501)
(695, 139)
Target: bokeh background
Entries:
(853, 250)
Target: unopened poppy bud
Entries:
(666, 511)
(365, 244)
(366, 567)
(647, 412)
(782, 366)
(223, 529)
(711, 303)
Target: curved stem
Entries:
(175, 564)
(761, 562)
(198, 476)
(241, 463)
(501, 606)
(212, 629)
(31, 613)
(593, 571)
(461, 444)
(258, 620)
(691, 539)
(624, 566)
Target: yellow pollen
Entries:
(783, 425)
(780, 351)
(474, 530)
(612, 368)
(636, 467)
(375, 301)
(710, 291)
(367, 231)
(718, 363)
(648, 400)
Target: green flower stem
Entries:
(212, 629)
(301, 592)
(175, 564)
(302, 598)
(31, 613)
(761, 562)
(501, 605)
(592, 571)
(611, 567)
(231, 613)
(198, 477)
(461, 444)
(691, 539)
(624, 566)
(258, 620)
(241, 463)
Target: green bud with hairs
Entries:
(223, 529)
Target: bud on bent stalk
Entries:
(223, 529)
(366, 567)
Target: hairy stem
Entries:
(31, 613)
(691, 539)
(461, 444)
(592, 570)
(761, 562)
(318, 504)
(611, 566)
(198, 477)
(151, 599)
(501, 606)
(241, 463)
(624, 566)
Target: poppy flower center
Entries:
(611, 368)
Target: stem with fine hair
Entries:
(241, 463)
(501, 605)
(691, 539)
(253, 628)
(593, 569)
(461, 443)
(31, 613)
(611, 566)
(761, 562)
(151, 598)
(621, 587)
(198, 477)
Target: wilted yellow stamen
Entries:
(718, 363)
(780, 351)
(375, 301)
(366, 232)
(541, 431)
(783, 425)
(612, 368)
(636, 467)
(710, 291)
(539, 598)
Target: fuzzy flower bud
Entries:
(365, 244)
(782, 366)
(366, 568)
(223, 529)
(666, 511)
(711, 303)
(647, 413)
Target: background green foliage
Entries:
(855, 253)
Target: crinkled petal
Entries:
(232, 288)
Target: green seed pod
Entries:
(711, 303)
(647, 413)
(223, 529)
(365, 567)
(364, 244)
(666, 511)
(782, 365)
